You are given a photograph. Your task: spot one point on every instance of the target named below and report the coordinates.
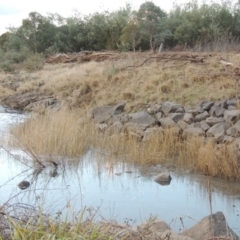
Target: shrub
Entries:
(34, 62)
(7, 66)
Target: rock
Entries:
(176, 116)
(231, 107)
(180, 110)
(195, 125)
(28, 100)
(171, 235)
(202, 116)
(153, 109)
(219, 111)
(207, 105)
(167, 123)
(159, 115)
(217, 131)
(214, 120)
(24, 185)
(183, 125)
(170, 107)
(115, 128)
(163, 177)
(204, 126)
(142, 118)
(188, 118)
(237, 126)
(231, 116)
(135, 136)
(152, 132)
(153, 226)
(105, 113)
(193, 132)
(195, 110)
(228, 139)
(233, 102)
(139, 122)
(209, 227)
(232, 131)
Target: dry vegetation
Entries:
(163, 77)
(168, 76)
(65, 133)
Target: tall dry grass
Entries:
(59, 132)
(65, 133)
(99, 83)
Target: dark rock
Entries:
(219, 111)
(214, 225)
(24, 185)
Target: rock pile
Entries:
(218, 120)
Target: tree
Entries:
(151, 18)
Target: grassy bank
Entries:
(166, 76)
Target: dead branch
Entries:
(226, 63)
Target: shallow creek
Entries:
(129, 196)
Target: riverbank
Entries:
(141, 130)
(61, 126)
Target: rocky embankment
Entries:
(218, 120)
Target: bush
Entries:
(7, 66)
(34, 62)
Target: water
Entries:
(126, 197)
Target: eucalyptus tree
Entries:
(151, 20)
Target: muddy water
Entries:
(123, 192)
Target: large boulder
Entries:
(105, 113)
(218, 131)
(211, 227)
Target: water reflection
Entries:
(130, 196)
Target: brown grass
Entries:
(65, 133)
(110, 82)
(60, 133)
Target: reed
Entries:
(68, 134)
